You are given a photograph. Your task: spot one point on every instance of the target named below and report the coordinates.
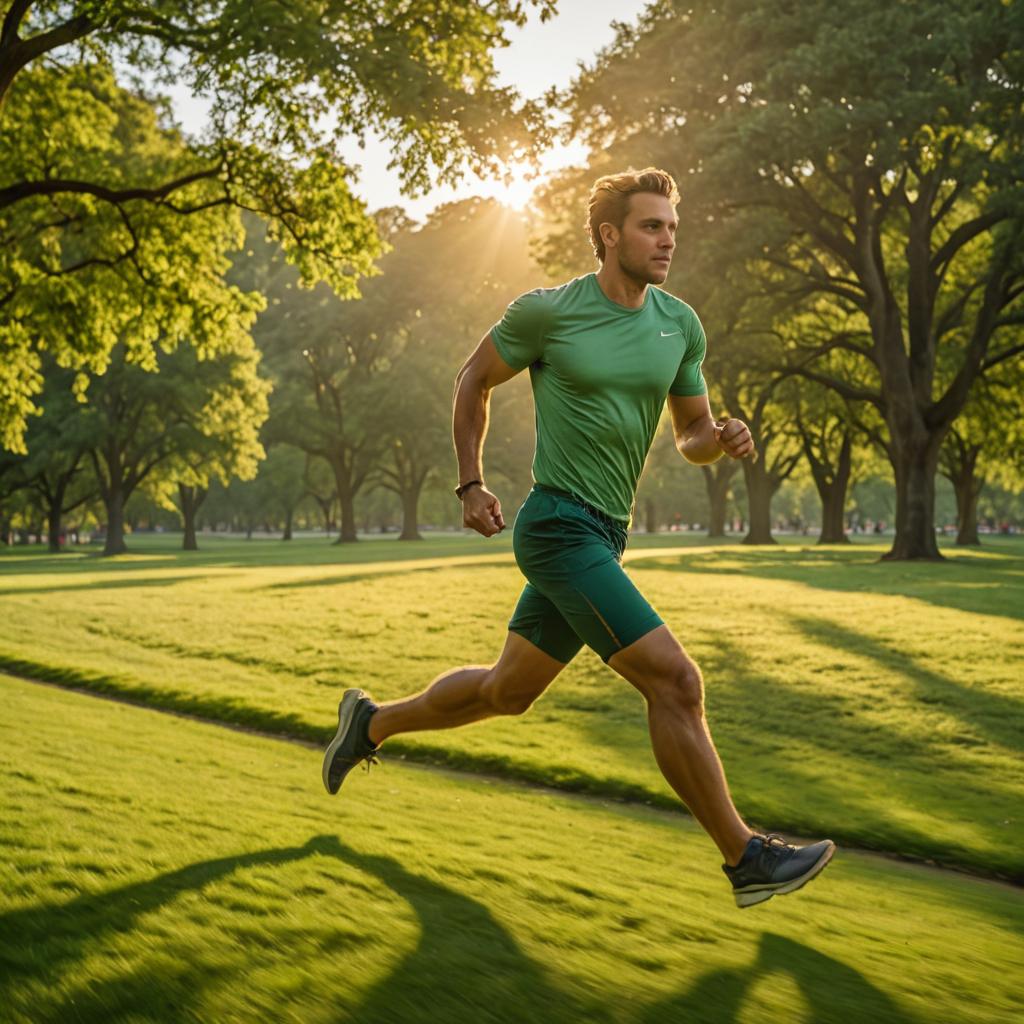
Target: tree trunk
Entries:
(833, 519)
(346, 499)
(650, 515)
(960, 467)
(347, 534)
(914, 461)
(717, 482)
(410, 512)
(760, 488)
(289, 515)
(967, 513)
(114, 503)
(54, 515)
(832, 488)
(191, 499)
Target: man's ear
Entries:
(609, 234)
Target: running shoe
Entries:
(771, 866)
(351, 743)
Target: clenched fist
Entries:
(481, 511)
(733, 437)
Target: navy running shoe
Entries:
(351, 743)
(771, 866)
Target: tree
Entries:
(985, 443)
(718, 479)
(440, 290)
(365, 386)
(58, 442)
(193, 419)
(272, 74)
(899, 189)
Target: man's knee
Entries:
(681, 686)
(506, 696)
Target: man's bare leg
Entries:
(469, 694)
(661, 670)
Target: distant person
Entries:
(604, 351)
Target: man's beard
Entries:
(638, 270)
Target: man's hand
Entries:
(481, 511)
(733, 437)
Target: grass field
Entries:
(157, 869)
(880, 704)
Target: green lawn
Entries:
(880, 704)
(157, 869)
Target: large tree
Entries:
(292, 89)
(899, 187)
(194, 419)
(985, 443)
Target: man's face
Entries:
(647, 239)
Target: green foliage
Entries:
(896, 193)
(110, 221)
(78, 274)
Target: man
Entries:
(604, 352)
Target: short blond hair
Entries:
(609, 199)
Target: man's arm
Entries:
(700, 438)
(482, 372)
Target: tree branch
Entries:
(1001, 357)
(17, 52)
(54, 186)
(962, 235)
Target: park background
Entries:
(246, 248)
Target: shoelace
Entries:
(370, 759)
(773, 845)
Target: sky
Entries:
(540, 55)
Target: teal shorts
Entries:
(577, 591)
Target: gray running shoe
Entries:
(769, 866)
(350, 744)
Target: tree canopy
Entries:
(109, 216)
(896, 193)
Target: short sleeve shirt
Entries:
(600, 374)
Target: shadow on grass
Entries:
(117, 583)
(834, 992)
(998, 718)
(454, 563)
(972, 581)
(464, 967)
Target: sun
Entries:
(516, 186)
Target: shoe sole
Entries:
(751, 896)
(346, 709)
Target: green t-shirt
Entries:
(600, 374)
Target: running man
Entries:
(604, 352)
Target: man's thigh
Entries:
(537, 620)
(599, 606)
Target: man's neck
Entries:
(619, 287)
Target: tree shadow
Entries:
(402, 568)
(968, 581)
(999, 718)
(835, 993)
(63, 586)
(465, 965)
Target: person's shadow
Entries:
(834, 993)
(465, 965)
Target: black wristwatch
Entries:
(462, 488)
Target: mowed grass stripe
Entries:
(164, 870)
(880, 704)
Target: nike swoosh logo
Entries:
(669, 334)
